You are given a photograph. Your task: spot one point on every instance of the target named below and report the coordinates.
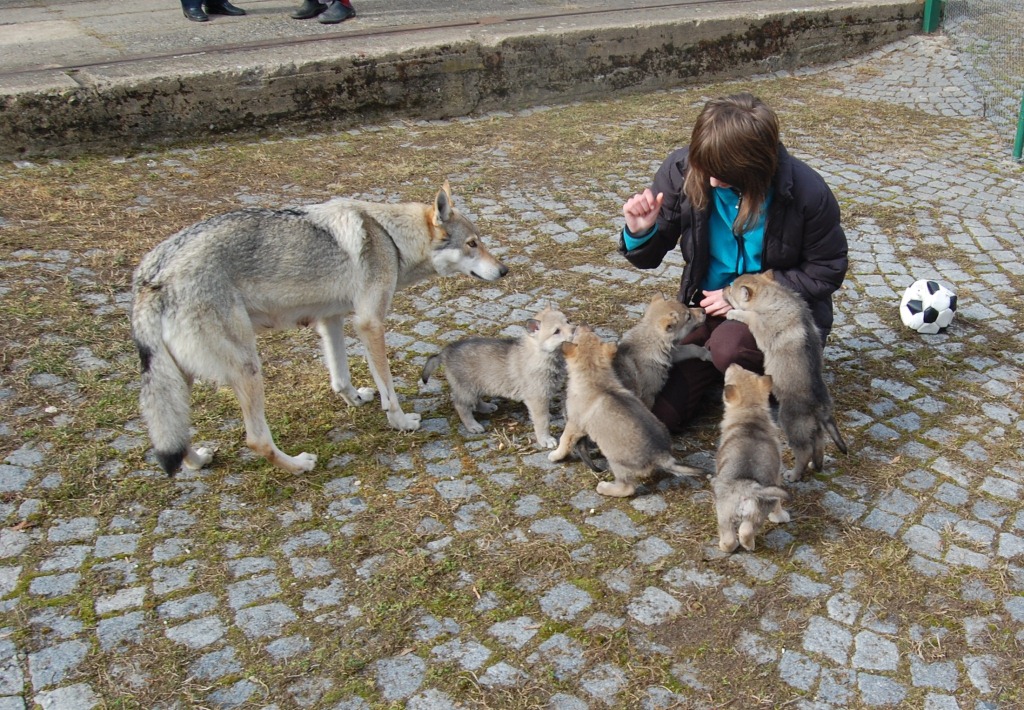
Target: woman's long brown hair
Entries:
(736, 140)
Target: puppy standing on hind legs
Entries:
(529, 369)
(201, 296)
(748, 476)
(599, 406)
(784, 330)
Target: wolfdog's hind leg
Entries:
(332, 338)
(248, 387)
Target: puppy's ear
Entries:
(609, 349)
(569, 349)
(766, 384)
(532, 325)
(730, 395)
(443, 205)
(747, 534)
(658, 298)
(769, 274)
(669, 322)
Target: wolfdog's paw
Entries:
(557, 455)
(304, 462)
(195, 459)
(474, 427)
(486, 407)
(548, 442)
(616, 490)
(404, 422)
(365, 395)
(792, 476)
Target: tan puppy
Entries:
(529, 369)
(781, 323)
(749, 462)
(597, 405)
(647, 351)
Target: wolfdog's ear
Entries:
(443, 205)
(769, 274)
(766, 384)
(730, 394)
(569, 349)
(609, 349)
(532, 325)
(658, 298)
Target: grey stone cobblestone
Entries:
(947, 511)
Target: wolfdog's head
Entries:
(457, 245)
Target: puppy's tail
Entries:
(833, 431)
(428, 368)
(164, 396)
(670, 465)
(583, 451)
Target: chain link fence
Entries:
(989, 35)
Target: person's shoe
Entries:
(195, 14)
(308, 10)
(223, 7)
(335, 13)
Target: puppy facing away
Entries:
(599, 406)
(748, 479)
(782, 325)
(529, 369)
(647, 351)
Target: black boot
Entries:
(335, 13)
(222, 7)
(193, 10)
(309, 9)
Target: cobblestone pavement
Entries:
(810, 625)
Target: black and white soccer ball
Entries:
(928, 306)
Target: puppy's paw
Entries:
(548, 442)
(616, 490)
(557, 455)
(474, 427)
(780, 517)
(792, 476)
(486, 407)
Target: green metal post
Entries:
(1018, 145)
(932, 15)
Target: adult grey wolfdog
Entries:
(201, 296)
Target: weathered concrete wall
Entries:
(113, 108)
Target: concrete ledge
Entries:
(429, 74)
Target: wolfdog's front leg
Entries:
(332, 337)
(371, 332)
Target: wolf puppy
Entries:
(599, 406)
(529, 369)
(647, 351)
(201, 296)
(748, 477)
(782, 325)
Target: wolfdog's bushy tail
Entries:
(165, 394)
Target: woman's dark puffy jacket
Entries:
(804, 243)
